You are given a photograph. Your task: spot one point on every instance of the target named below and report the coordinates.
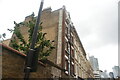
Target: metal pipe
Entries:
(31, 52)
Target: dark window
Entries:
(66, 30)
(72, 69)
(66, 53)
(72, 39)
(66, 64)
(66, 45)
(72, 52)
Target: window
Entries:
(66, 56)
(75, 53)
(75, 42)
(72, 52)
(76, 69)
(66, 24)
(67, 20)
(66, 30)
(72, 69)
(72, 39)
(66, 64)
(66, 45)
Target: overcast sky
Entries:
(96, 22)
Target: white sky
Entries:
(96, 22)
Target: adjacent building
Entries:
(95, 66)
(103, 74)
(94, 63)
(69, 53)
(116, 71)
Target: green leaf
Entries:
(44, 46)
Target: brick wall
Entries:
(13, 65)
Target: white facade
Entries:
(94, 63)
(95, 66)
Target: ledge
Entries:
(52, 64)
(11, 49)
(17, 52)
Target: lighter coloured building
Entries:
(94, 63)
(116, 71)
(95, 66)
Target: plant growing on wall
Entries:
(45, 46)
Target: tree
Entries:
(2, 36)
(45, 46)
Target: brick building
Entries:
(69, 53)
